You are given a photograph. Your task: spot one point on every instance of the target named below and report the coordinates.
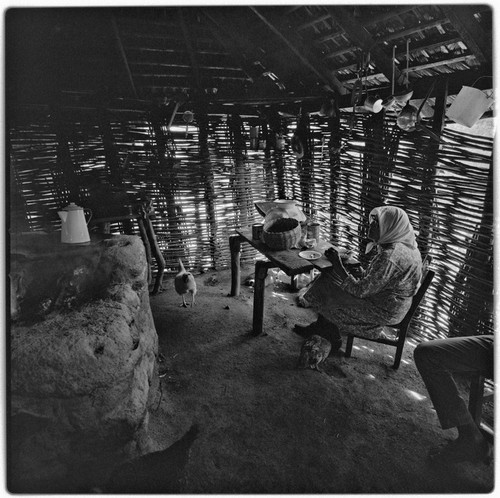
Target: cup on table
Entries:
(310, 243)
(313, 230)
(257, 229)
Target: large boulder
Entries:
(82, 377)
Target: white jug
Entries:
(287, 207)
(74, 226)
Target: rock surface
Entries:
(83, 378)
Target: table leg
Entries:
(261, 268)
(235, 248)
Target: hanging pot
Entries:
(188, 116)
(254, 137)
(373, 104)
(328, 108)
(280, 142)
(407, 119)
(297, 146)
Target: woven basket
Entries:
(281, 240)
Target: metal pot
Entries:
(408, 118)
(74, 225)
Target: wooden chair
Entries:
(402, 328)
(478, 395)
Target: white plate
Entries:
(310, 255)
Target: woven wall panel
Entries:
(201, 199)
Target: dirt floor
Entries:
(268, 427)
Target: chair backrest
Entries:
(427, 279)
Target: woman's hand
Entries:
(337, 267)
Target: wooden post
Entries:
(235, 249)
(64, 161)
(110, 152)
(305, 164)
(429, 165)
(261, 268)
(242, 200)
(167, 175)
(334, 146)
(208, 179)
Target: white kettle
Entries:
(74, 225)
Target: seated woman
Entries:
(382, 296)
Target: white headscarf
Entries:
(394, 227)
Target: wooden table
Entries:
(289, 261)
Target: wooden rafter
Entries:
(413, 69)
(123, 55)
(463, 20)
(420, 86)
(192, 56)
(406, 33)
(440, 106)
(306, 57)
(230, 41)
(358, 34)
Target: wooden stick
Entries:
(157, 254)
(147, 247)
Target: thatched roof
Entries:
(242, 54)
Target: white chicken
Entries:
(184, 284)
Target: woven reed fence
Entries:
(205, 179)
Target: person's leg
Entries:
(436, 361)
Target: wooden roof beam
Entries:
(463, 20)
(230, 41)
(367, 22)
(398, 11)
(359, 35)
(414, 49)
(192, 56)
(123, 55)
(307, 58)
(313, 22)
(412, 69)
(405, 33)
(421, 86)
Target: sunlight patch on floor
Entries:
(368, 349)
(415, 395)
(281, 296)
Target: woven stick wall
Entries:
(205, 179)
